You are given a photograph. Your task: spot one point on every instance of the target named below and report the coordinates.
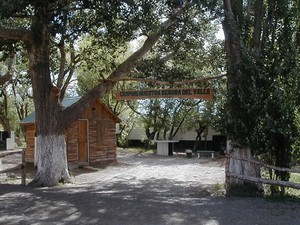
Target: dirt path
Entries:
(143, 189)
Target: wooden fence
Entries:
(258, 179)
(20, 166)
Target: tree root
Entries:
(37, 180)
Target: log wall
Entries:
(72, 142)
(101, 136)
(30, 142)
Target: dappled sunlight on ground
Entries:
(143, 189)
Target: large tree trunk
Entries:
(234, 49)
(51, 120)
(50, 128)
(51, 161)
(236, 186)
(5, 78)
(4, 119)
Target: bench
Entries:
(206, 151)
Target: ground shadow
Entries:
(156, 201)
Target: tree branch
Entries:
(8, 75)
(67, 82)
(134, 110)
(16, 34)
(63, 60)
(168, 57)
(5, 78)
(172, 135)
(258, 18)
(74, 111)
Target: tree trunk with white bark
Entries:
(51, 161)
(50, 128)
(236, 186)
(238, 118)
(51, 119)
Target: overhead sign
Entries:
(196, 93)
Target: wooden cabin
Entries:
(89, 140)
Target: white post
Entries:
(10, 142)
(118, 131)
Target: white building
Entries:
(211, 141)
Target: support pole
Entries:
(227, 178)
(23, 171)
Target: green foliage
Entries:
(52, 30)
(15, 99)
(192, 58)
(98, 62)
(199, 119)
(196, 54)
(296, 144)
(262, 98)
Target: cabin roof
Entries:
(65, 103)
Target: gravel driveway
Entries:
(143, 189)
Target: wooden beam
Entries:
(10, 152)
(17, 167)
(265, 165)
(23, 176)
(264, 181)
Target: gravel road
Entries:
(143, 189)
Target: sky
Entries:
(220, 34)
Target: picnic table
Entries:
(206, 151)
(163, 146)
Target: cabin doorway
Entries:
(83, 141)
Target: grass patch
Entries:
(218, 189)
(295, 178)
(289, 192)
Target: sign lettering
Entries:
(196, 93)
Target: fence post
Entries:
(23, 178)
(227, 178)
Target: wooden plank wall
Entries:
(72, 142)
(102, 141)
(30, 142)
(102, 137)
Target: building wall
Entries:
(72, 142)
(213, 141)
(102, 140)
(102, 134)
(191, 135)
(101, 137)
(139, 134)
(30, 142)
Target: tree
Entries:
(8, 56)
(98, 58)
(194, 57)
(153, 117)
(189, 58)
(200, 119)
(7, 71)
(48, 24)
(262, 51)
